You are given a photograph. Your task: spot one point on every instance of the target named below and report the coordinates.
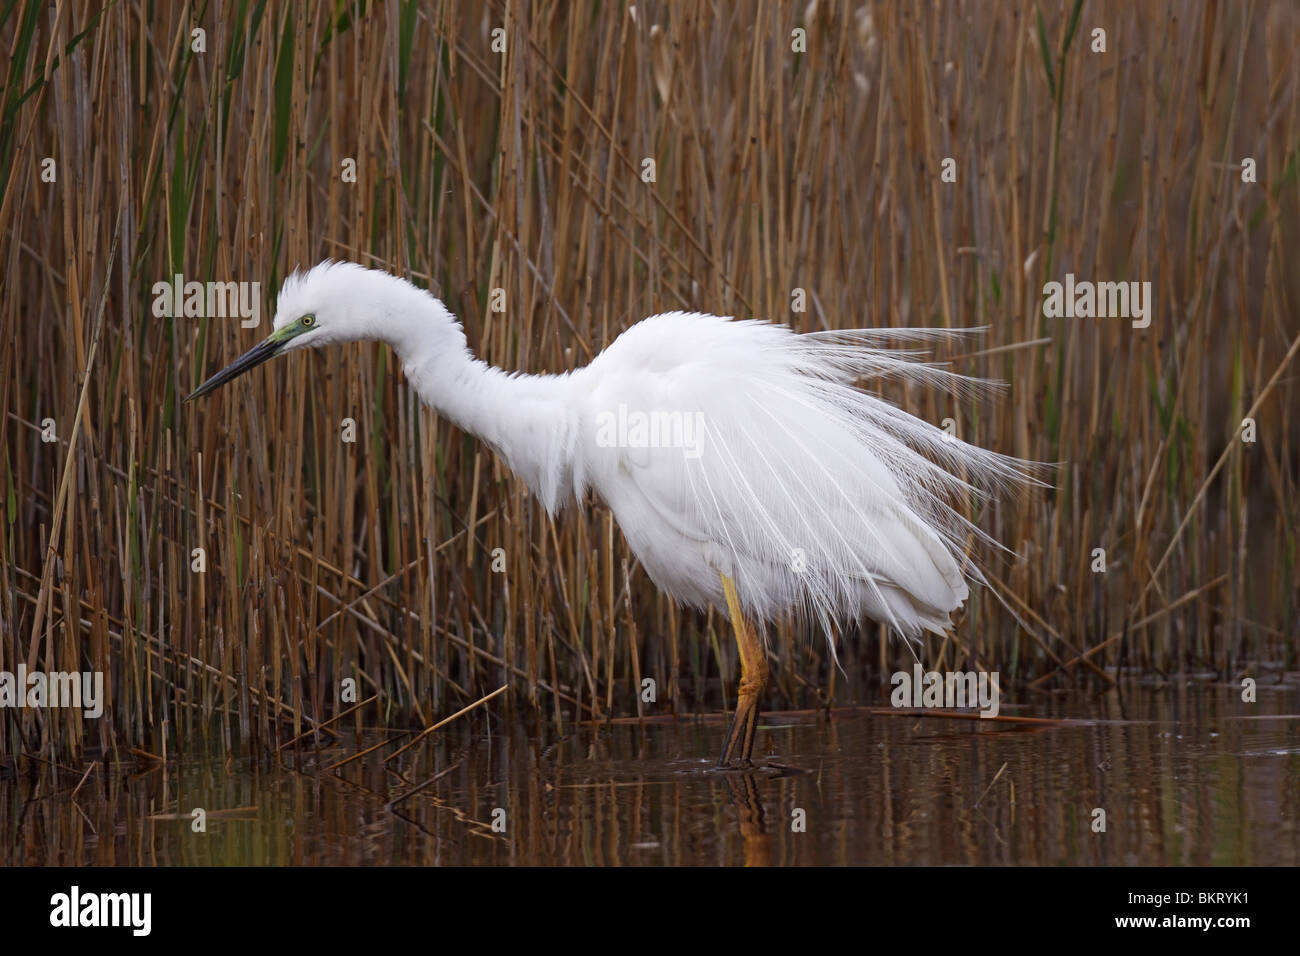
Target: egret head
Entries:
(329, 303)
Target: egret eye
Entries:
(308, 321)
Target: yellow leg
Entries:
(739, 745)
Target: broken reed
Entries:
(523, 171)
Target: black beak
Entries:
(254, 357)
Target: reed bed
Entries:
(524, 170)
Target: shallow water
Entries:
(1185, 775)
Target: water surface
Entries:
(1184, 775)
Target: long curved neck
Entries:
(531, 421)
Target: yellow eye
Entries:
(308, 321)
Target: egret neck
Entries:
(530, 421)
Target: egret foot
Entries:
(739, 745)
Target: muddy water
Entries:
(1185, 775)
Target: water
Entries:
(1185, 775)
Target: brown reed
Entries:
(522, 171)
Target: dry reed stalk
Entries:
(522, 171)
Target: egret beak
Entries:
(254, 357)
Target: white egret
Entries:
(745, 467)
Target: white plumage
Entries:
(807, 492)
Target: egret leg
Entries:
(739, 744)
